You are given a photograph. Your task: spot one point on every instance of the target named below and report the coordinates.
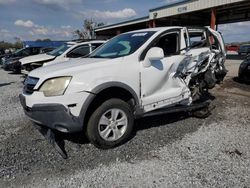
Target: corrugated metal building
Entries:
(184, 12)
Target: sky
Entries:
(57, 19)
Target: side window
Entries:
(169, 43)
(198, 39)
(79, 52)
(95, 45)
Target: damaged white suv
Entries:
(135, 74)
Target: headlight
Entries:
(55, 86)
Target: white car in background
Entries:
(63, 53)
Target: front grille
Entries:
(29, 84)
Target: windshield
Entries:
(59, 51)
(17, 52)
(122, 45)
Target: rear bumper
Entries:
(53, 116)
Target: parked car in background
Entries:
(12, 63)
(4, 55)
(244, 70)
(244, 49)
(63, 53)
(233, 47)
(136, 74)
(2, 52)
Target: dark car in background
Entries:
(244, 70)
(2, 52)
(11, 62)
(244, 49)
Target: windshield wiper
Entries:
(96, 56)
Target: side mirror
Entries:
(153, 54)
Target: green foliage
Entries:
(87, 32)
(7, 45)
(43, 40)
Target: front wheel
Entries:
(111, 124)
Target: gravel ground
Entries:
(166, 151)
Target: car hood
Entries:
(36, 58)
(67, 68)
(12, 59)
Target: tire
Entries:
(17, 71)
(111, 124)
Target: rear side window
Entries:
(198, 39)
(79, 51)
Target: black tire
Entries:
(93, 126)
(17, 71)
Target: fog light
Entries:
(61, 129)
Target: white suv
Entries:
(135, 74)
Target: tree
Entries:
(18, 44)
(43, 40)
(80, 34)
(8, 45)
(88, 29)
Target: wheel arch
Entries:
(107, 91)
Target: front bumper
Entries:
(6, 66)
(12, 67)
(53, 116)
(16, 66)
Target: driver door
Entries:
(159, 85)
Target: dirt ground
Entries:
(166, 151)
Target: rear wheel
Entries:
(110, 124)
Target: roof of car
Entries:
(91, 42)
(71, 43)
(156, 29)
